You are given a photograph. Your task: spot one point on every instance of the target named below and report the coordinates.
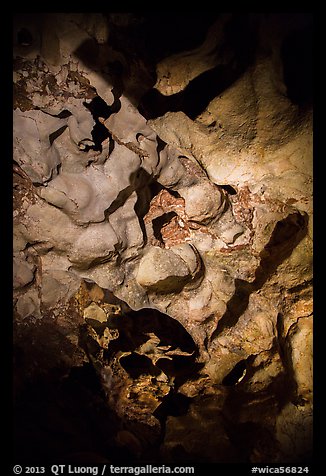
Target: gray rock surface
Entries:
(203, 215)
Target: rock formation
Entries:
(163, 237)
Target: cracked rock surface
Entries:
(163, 238)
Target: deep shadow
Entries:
(59, 407)
(159, 222)
(54, 135)
(240, 41)
(248, 417)
(181, 368)
(157, 330)
(53, 419)
(137, 365)
(160, 145)
(229, 189)
(247, 436)
(286, 235)
(99, 108)
(24, 37)
(138, 180)
(88, 52)
(156, 35)
(185, 32)
(297, 58)
(135, 326)
(196, 96)
(174, 404)
(233, 377)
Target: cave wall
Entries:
(163, 188)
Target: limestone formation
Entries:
(163, 231)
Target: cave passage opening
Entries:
(99, 108)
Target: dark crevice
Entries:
(194, 99)
(137, 365)
(135, 326)
(174, 404)
(155, 188)
(281, 341)
(159, 222)
(156, 333)
(286, 235)
(174, 193)
(160, 145)
(62, 115)
(89, 52)
(141, 208)
(229, 189)
(116, 105)
(233, 377)
(285, 355)
(240, 47)
(236, 306)
(54, 135)
(99, 108)
(138, 180)
(300, 287)
(181, 368)
(115, 68)
(116, 73)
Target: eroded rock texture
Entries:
(163, 237)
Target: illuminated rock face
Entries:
(190, 196)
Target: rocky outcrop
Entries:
(189, 198)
